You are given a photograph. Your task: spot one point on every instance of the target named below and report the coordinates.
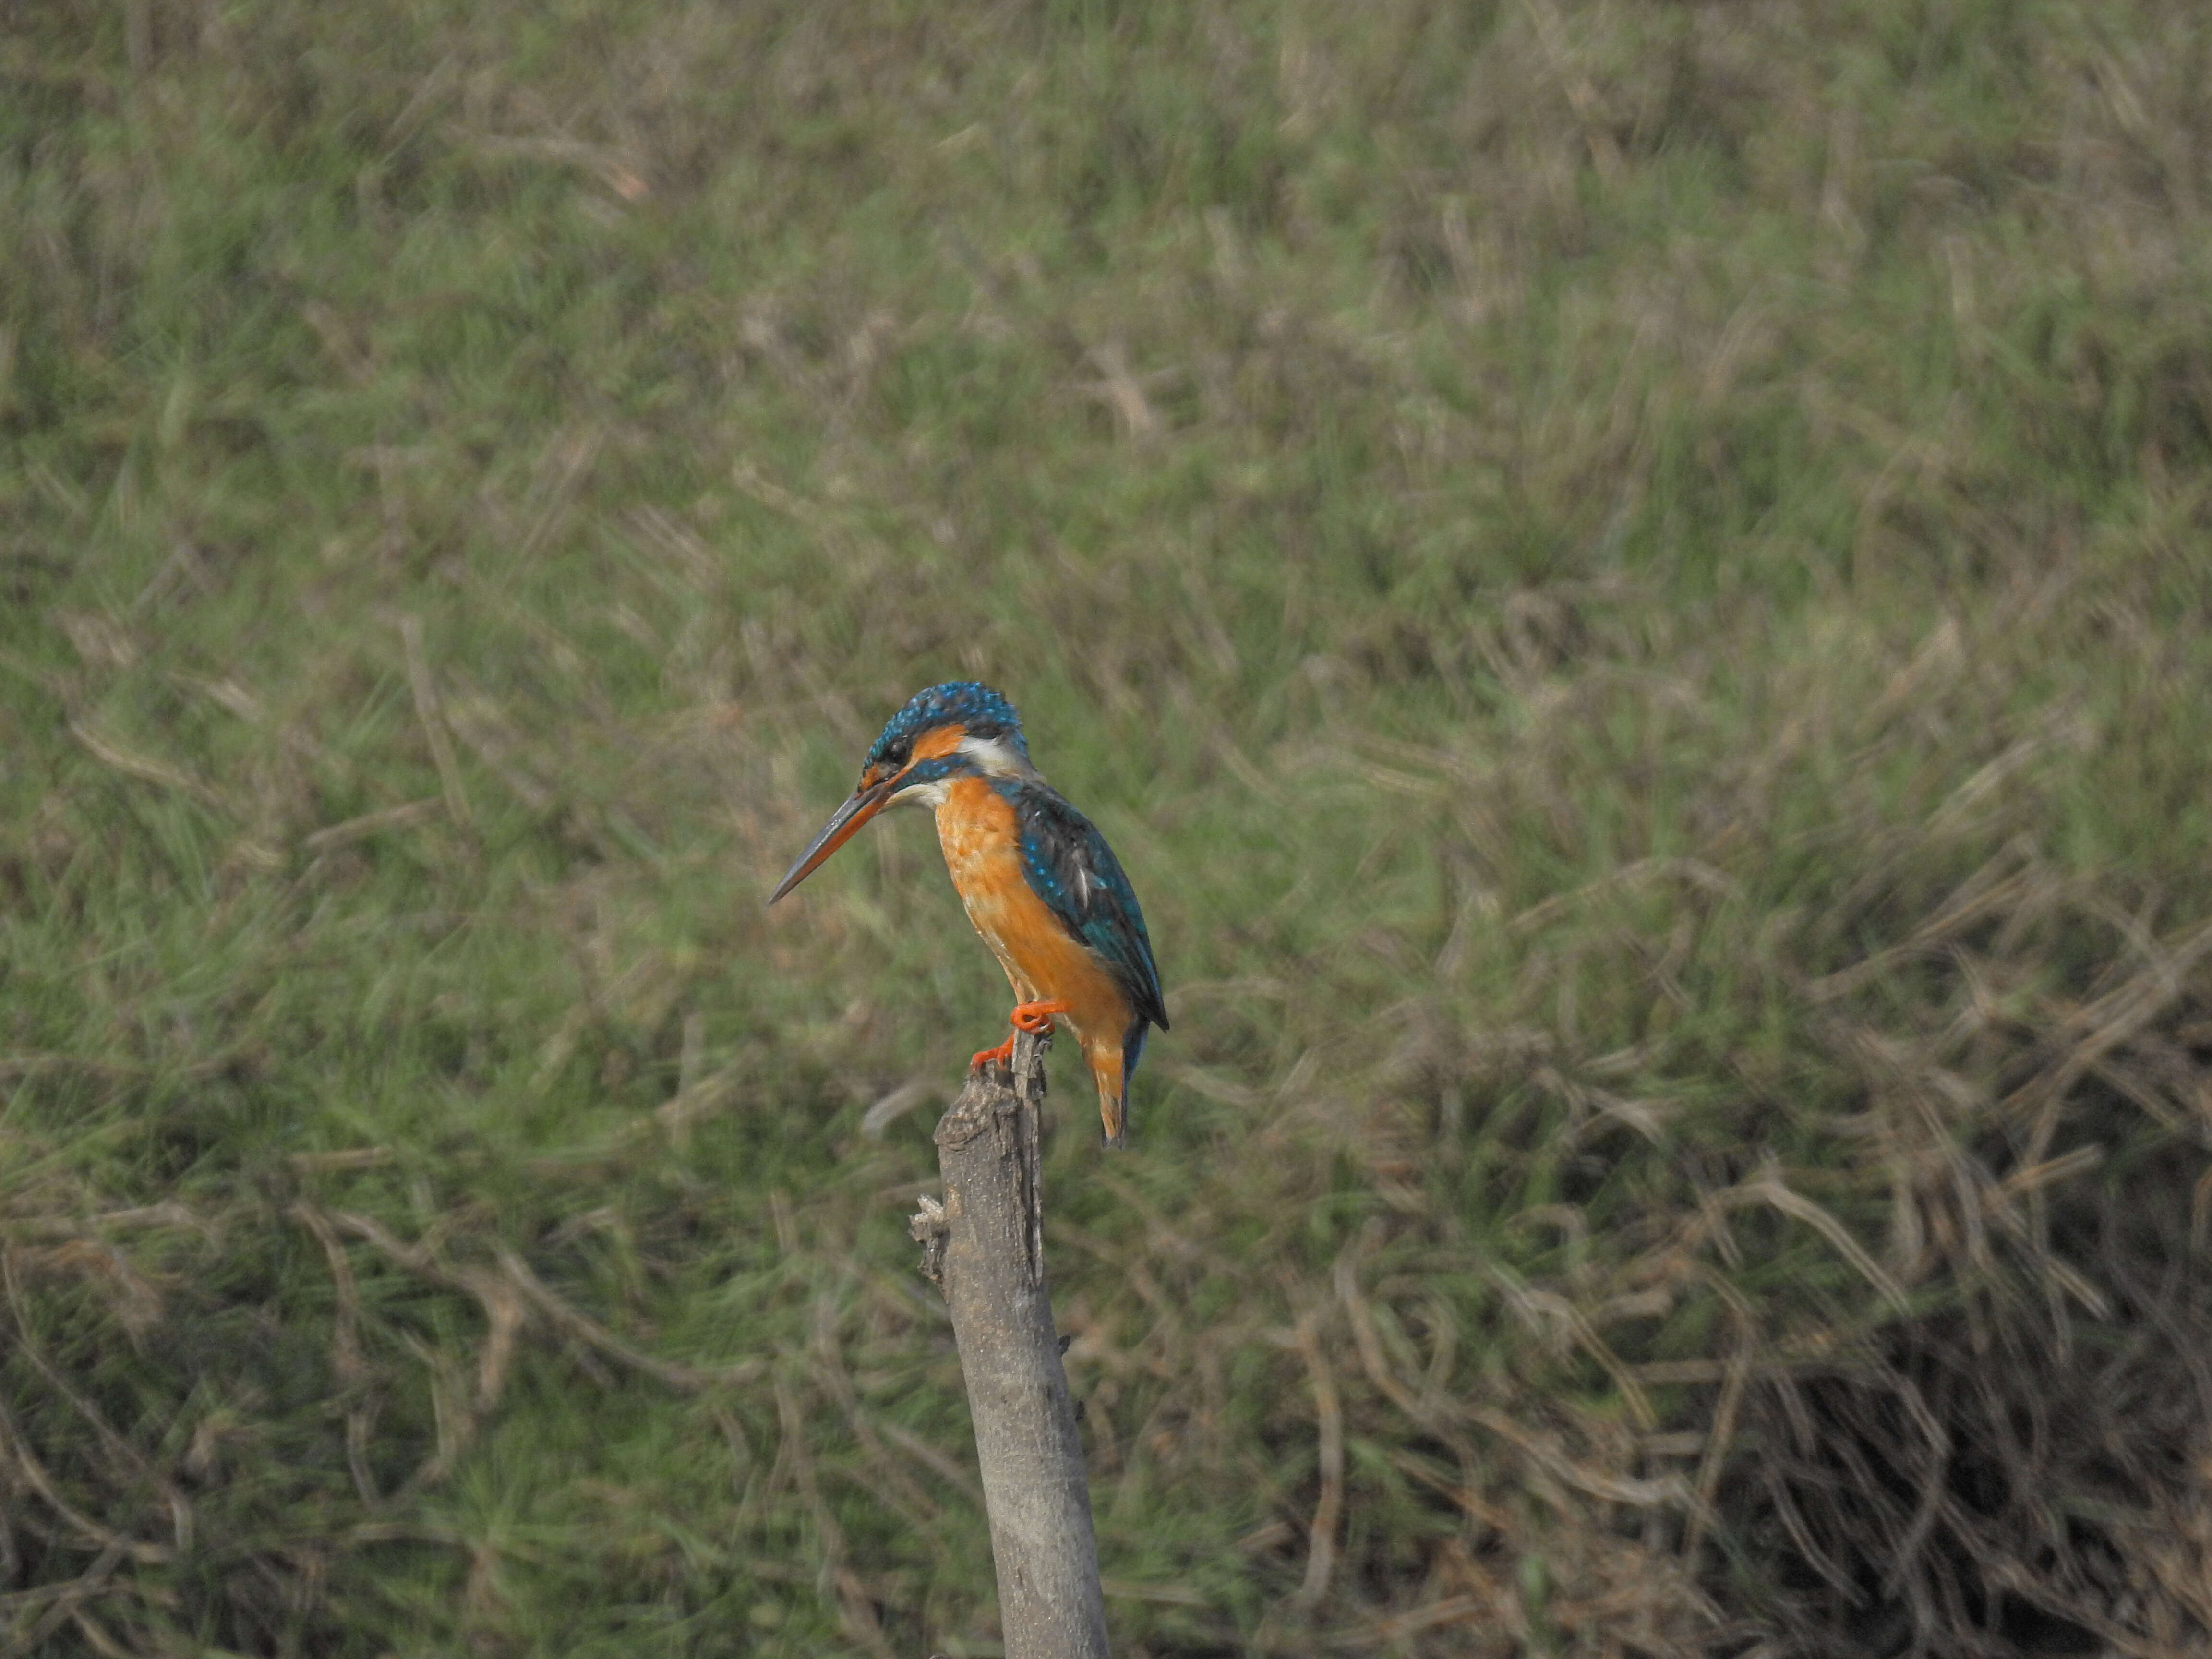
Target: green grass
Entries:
(1629, 582)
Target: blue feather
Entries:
(975, 708)
(1069, 865)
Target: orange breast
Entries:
(982, 849)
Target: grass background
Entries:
(1627, 579)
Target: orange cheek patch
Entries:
(935, 745)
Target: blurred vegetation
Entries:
(1629, 580)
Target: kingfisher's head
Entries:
(959, 729)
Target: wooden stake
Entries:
(984, 1246)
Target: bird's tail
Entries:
(1112, 1077)
(1111, 1068)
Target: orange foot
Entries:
(1035, 1017)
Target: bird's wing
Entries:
(1069, 865)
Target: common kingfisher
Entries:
(1038, 880)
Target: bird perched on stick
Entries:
(1039, 882)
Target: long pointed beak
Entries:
(843, 824)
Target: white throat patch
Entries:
(931, 795)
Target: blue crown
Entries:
(975, 708)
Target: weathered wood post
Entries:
(984, 1245)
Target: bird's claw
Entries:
(1034, 1018)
